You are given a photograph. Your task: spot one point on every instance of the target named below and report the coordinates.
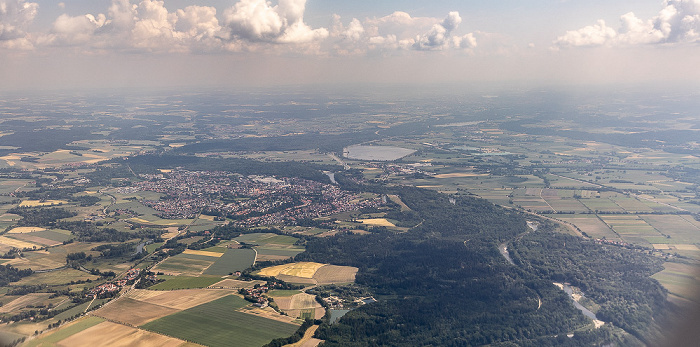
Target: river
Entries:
(503, 249)
(568, 290)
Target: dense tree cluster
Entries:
(444, 282)
(40, 216)
(9, 273)
(616, 278)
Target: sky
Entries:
(113, 44)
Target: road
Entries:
(335, 157)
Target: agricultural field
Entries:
(53, 338)
(303, 269)
(271, 246)
(335, 274)
(183, 264)
(38, 203)
(64, 276)
(113, 334)
(133, 312)
(383, 222)
(311, 273)
(235, 284)
(184, 282)
(682, 281)
(299, 305)
(217, 323)
(231, 261)
(178, 299)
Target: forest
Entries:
(444, 282)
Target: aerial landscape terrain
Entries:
(375, 221)
(282, 173)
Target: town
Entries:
(247, 200)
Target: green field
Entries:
(287, 252)
(254, 238)
(231, 261)
(185, 282)
(307, 313)
(63, 276)
(217, 323)
(7, 338)
(65, 332)
(185, 264)
(283, 293)
(217, 249)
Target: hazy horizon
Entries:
(222, 44)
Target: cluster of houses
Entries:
(256, 295)
(612, 242)
(110, 288)
(249, 200)
(106, 289)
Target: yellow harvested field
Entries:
(35, 203)
(172, 232)
(303, 300)
(165, 170)
(687, 247)
(308, 340)
(377, 221)
(15, 243)
(22, 230)
(459, 174)
(186, 298)
(205, 253)
(269, 313)
(303, 269)
(133, 312)
(95, 156)
(397, 199)
(335, 274)
(117, 335)
(142, 294)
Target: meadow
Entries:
(217, 323)
(231, 261)
(184, 282)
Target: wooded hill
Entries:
(445, 283)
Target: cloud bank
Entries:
(247, 25)
(15, 17)
(677, 22)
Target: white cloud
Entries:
(592, 35)
(247, 25)
(15, 17)
(146, 26)
(439, 37)
(259, 21)
(677, 22)
(75, 30)
(399, 31)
